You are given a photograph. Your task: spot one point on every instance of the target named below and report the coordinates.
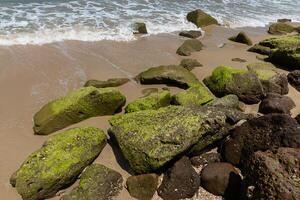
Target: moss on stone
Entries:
(288, 57)
(289, 41)
(189, 46)
(153, 101)
(113, 82)
(77, 106)
(263, 70)
(58, 162)
(190, 64)
(241, 38)
(257, 48)
(194, 96)
(200, 18)
(280, 28)
(228, 101)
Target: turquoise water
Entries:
(44, 21)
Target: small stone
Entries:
(238, 60)
(275, 103)
(140, 28)
(190, 64)
(189, 46)
(191, 34)
(242, 38)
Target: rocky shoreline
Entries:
(256, 156)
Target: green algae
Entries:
(77, 106)
(263, 70)
(289, 41)
(280, 28)
(287, 57)
(58, 162)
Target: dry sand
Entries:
(30, 76)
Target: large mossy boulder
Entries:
(194, 96)
(170, 75)
(189, 46)
(58, 162)
(280, 28)
(77, 106)
(227, 80)
(153, 101)
(242, 37)
(113, 82)
(200, 18)
(97, 182)
(152, 138)
(260, 49)
(290, 41)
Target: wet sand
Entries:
(30, 76)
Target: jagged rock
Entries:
(294, 79)
(58, 162)
(228, 101)
(274, 175)
(194, 96)
(259, 134)
(77, 106)
(238, 60)
(191, 34)
(221, 179)
(280, 28)
(257, 48)
(180, 181)
(150, 139)
(205, 158)
(190, 64)
(284, 20)
(97, 182)
(271, 79)
(113, 82)
(275, 103)
(200, 18)
(227, 80)
(153, 101)
(140, 28)
(170, 75)
(242, 38)
(142, 187)
(189, 46)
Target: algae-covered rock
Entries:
(189, 46)
(280, 28)
(77, 106)
(58, 162)
(241, 38)
(194, 96)
(97, 182)
(288, 57)
(113, 82)
(290, 41)
(140, 28)
(257, 48)
(190, 64)
(228, 101)
(191, 34)
(170, 75)
(200, 18)
(152, 138)
(263, 70)
(153, 101)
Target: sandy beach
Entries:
(32, 75)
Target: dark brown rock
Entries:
(205, 158)
(294, 79)
(142, 187)
(284, 20)
(113, 82)
(275, 103)
(189, 46)
(191, 34)
(241, 38)
(190, 63)
(180, 181)
(276, 84)
(274, 175)
(298, 118)
(140, 28)
(221, 179)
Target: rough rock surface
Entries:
(275, 103)
(180, 181)
(153, 101)
(257, 48)
(191, 34)
(242, 38)
(280, 28)
(275, 175)
(229, 101)
(294, 79)
(152, 138)
(190, 64)
(205, 158)
(140, 28)
(170, 75)
(200, 18)
(189, 46)
(142, 187)
(113, 82)
(263, 133)
(58, 162)
(77, 106)
(221, 179)
(97, 182)
(298, 118)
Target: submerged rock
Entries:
(257, 48)
(194, 96)
(152, 138)
(190, 64)
(77, 106)
(153, 101)
(142, 187)
(170, 75)
(280, 28)
(191, 34)
(274, 175)
(97, 182)
(113, 82)
(189, 46)
(200, 18)
(180, 181)
(275, 103)
(140, 28)
(221, 179)
(294, 79)
(242, 38)
(58, 162)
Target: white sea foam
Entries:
(45, 21)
